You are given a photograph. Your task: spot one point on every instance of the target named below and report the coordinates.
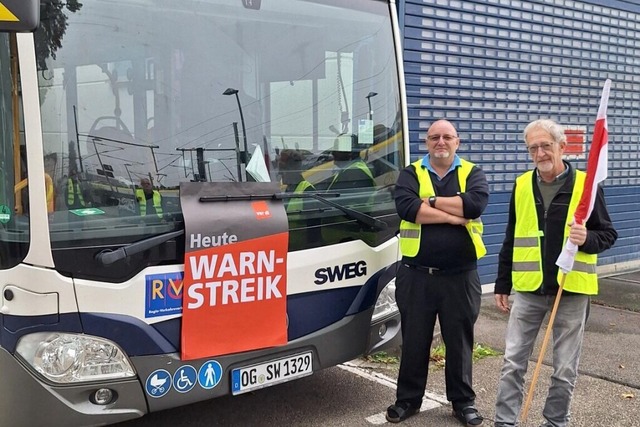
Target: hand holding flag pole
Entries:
(596, 173)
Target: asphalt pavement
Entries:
(356, 393)
(608, 388)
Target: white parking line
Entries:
(430, 400)
(377, 419)
(375, 377)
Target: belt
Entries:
(433, 271)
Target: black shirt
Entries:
(443, 246)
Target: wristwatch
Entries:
(432, 201)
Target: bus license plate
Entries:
(269, 373)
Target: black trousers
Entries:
(455, 301)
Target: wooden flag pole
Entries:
(545, 341)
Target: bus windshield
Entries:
(139, 96)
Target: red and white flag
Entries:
(596, 173)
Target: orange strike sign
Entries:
(236, 298)
(235, 272)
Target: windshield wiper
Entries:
(351, 213)
(108, 256)
(361, 217)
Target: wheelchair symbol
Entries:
(183, 382)
(184, 379)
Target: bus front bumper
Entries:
(28, 399)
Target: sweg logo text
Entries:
(340, 272)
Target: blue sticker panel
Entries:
(163, 294)
(210, 374)
(185, 378)
(158, 383)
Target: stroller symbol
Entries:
(157, 384)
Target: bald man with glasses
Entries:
(439, 198)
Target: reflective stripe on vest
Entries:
(410, 232)
(142, 201)
(526, 273)
(73, 189)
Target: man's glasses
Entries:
(547, 147)
(436, 138)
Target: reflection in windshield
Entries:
(292, 92)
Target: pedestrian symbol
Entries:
(210, 374)
(185, 378)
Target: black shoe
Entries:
(468, 416)
(401, 411)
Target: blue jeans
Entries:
(527, 313)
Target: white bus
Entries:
(101, 99)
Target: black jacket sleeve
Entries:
(503, 283)
(600, 232)
(476, 196)
(407, 194)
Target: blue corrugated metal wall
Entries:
(493, 66)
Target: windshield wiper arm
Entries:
(108, 256)
(351, 213)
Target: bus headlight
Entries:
(73, 358)
(386, 304)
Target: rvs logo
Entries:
(340, 272)
(163, 294)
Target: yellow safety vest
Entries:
(142, 201)
(410, 232)
(358, 164)
(50, 193)
(296, 204)
(526, 272)
(73, 189)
